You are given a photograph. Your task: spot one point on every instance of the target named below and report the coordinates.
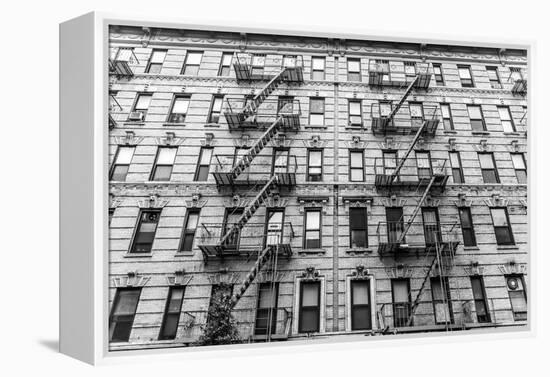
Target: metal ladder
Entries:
(251, 108)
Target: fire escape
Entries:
(263, 175)
(398, 236)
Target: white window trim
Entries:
(372, 288)
(296, 311)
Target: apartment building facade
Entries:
(332, 187)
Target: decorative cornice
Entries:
(132, 279)
(360, 272)
(513, 268)
(154, 201)
(399, 271)
(310, 273)
(474, 269)
(179, 278)
(224, 277)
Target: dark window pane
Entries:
(309, 320)
(360, 318)
(522, 176)
(119, 173)
(202, 174)
(170, 326)
(489, 176)
(457, 176)
(162, 173)
(503, 236)
(121, 332)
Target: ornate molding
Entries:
(496, 201)
(356, 143)
(393, 201)
(223, 277)
(169, 139)
(474, 269)
(275, 201)
(358, 201)
(462, 201)
(195, 201)
(389, 143)
(154, 201)
(513, 268)
(360, 272)
(399, 271)
(132, 279)
(281, 141)
(315, 142)
(243, 142)
(451, 144)
(179, 278)
(208, 140)
(314, 201)
(430, 201)
(114, 202)
(269, 276)
(310, 273)
(129, 139)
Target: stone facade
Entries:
(335, 264)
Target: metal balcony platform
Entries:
(404, 122)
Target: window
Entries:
(480, 299)
(358, 231)
(506, 119)
(356, 166)
(215, 109)
(312, 229)
(467, 225)
(354, 69)
(123, 313)
(231, 217)
(310, 306)
(456, 167)
(178, 112)
(494, 79)
(465, 76)
(285, 105)
(401, 300)
(441, 298)
(274, 222)
(121, 164)
(447, 116)
(314, 165)
(395, 224)
(360, 305)
(189, 229)
(145, 231)
(258, 63)
(290, 61)
(172, 312)
(390, 162)
(162, 169)
(432, 228)
(317, 111)
(203, 165)
(423, 164)
(140, 108)
(518, 160)
(355, 114)
(501, 223)
(155, 61)
(111, 214)
(192, 63)
(280, 161)
(438, 74)
(385, 108)
(477, 121)
(488, 169)
(515, 74)
(220, 294)
(225, 64)
(410, 70)
(384, 67)
(266, 310)
(518, 297)
(317, 68)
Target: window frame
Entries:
(360, 115)
(354, 306)
(362, 168)
(449, 118)
(150, 62)
(397, 322)
(156, 165)
(222, 66)
(521, 181)
(187, 232)
(495, 83)
(171, 113)
(114, 320)
(114, 165)
(456, 169)
(469, 228)
(274, 309)
(518, 315)
(463, 82)
(441, 81)
(319, 228)
(168, 312)
(511, 119)
(309, 175)
(482, 300)
(187, 65)
(135, 109)
(357, 228)
(443, 283)
(200, 165)
(323, 113)
(314, 71)
(486, 170)
(213, 113)
(482, 119)
(137, 229)
(508, 227)
(351, 73)
(316, 309)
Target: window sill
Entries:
(507, 247)
(512, 133)
(312, 251)
(212, 125)
(183, 254)
(359, 250)
(471, 248)
(315, 127)
(451, 132)
(130, 123)
(178, 124)
(480, 133)
(138, 255)
(356, 128)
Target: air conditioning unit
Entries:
(136, 116)
(514, 283)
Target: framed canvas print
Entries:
(241, 188)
